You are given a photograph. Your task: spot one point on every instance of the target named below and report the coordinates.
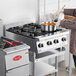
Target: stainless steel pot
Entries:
(48, 27)
(51, 27)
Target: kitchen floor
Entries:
(63, 72)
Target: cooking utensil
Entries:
(47, 26)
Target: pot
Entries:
(48, 26)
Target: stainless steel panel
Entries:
(22, 71)
(11, 63)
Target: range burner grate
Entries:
(30, 30)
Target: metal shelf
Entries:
(52, 53)
(42, 69)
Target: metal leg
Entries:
(69, 65)
(56, 73)
(32, 63)
(56, 65)
(70, 69)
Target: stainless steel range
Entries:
(41, 42)
(14, 58)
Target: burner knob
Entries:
(63, 39)
(49, 43)
(40, 45)
(56, 41)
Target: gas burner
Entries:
(31, 30)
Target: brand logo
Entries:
(16, 58)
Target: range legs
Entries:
(56, 65)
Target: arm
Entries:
(69, 24)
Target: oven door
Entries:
(21, 71)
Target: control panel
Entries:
(46, 45)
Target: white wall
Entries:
(17, 10)
(68, 3)
(51, 6)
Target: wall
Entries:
(68, 3)
(17, 10)
(51, 6)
